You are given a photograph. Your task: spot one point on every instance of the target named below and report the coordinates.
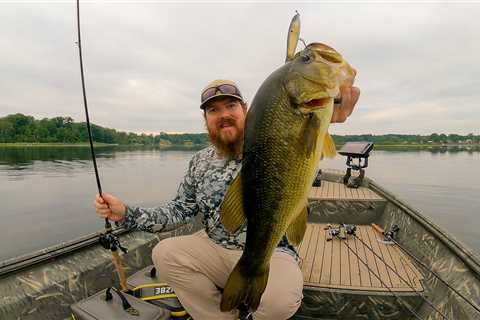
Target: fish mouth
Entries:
(318, 103)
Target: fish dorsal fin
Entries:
(329, 149)
(296, 230)
(232, 214)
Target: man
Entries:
(197, 265)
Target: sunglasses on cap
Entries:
(223, 89)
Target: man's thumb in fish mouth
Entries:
(349, 97)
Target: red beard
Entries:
(229, 142)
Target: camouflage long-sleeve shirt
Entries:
(201, 192)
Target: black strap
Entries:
(126, 305)
(153, 273)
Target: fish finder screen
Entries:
(356, 148)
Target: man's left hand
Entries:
(349, 97)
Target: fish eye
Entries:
(306, 58)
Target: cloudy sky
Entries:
(146, 61)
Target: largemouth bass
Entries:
(285, 137)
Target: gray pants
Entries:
(195, 266)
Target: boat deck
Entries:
(338, 191)
(331, 264)
(350, 264)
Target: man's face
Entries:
(225, 120)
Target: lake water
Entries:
(46, 194)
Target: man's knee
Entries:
(282, 300)
(284, 292)
(162, 256)
(281, 305)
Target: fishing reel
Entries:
(341, 232)
(332, 232)
(351, 229)
(391, 234)
(110, 242)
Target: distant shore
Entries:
(189, 146)
(48, 144)
(423, 145)
(98, 145)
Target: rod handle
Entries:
(378, 228)
(120, 270)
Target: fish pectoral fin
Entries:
(310, 134)
(296, 230)
(232, 214)
(329, 149)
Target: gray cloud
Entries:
(146, 62)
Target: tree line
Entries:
(20, 128)
(410, 139)
(17, 128)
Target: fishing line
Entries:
(401, 278)
(400, 301)
(303, 41)
(108, 240)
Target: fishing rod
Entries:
(351, 230)
(389, 236)
(400, 301)
(108, 240)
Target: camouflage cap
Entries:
(219, 88)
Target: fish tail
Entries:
(241, 288)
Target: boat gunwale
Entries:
(30, 259)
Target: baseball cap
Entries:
(219, 88)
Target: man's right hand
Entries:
(110, 207)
